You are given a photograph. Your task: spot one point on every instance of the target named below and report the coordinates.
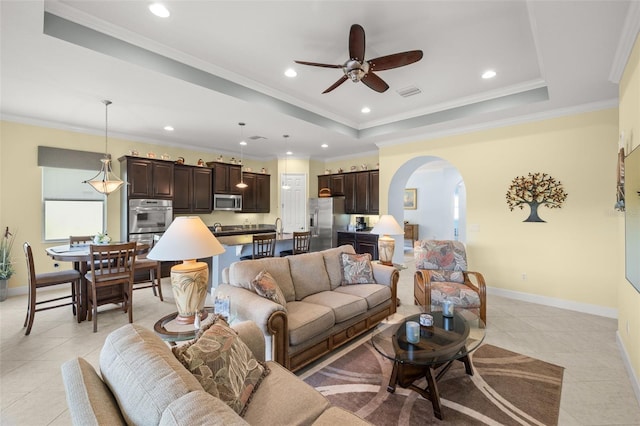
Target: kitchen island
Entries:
(238, 241)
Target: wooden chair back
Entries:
(301, 242)
(264, 245)
(80, 240)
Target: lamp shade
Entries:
(387, 225)
(186, 238)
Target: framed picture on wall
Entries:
(410, 201)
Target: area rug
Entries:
(506, 389)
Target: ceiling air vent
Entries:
(255, 138)
(408, 91)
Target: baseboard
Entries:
(635, 381)
(557, 303)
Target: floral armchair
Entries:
(441, 274)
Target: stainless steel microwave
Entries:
(229, 202)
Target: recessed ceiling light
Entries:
(488, 74)
(169, 128)
(243, 143)
(159, 10)
(324, 145)
(289, 153)
(365, 110)
(290, 72)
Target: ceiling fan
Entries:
(357, 69)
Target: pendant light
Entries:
(287, 153)
(105, 182)
(241, 185)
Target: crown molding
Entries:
(628, 36)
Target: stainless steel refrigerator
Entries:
(326, 218)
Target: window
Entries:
(71, 207)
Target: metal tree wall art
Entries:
(535, 189)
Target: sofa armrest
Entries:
(387, 275)
(269, 316)
(89, 399)
(251, 335)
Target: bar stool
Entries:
(264, 245)
(47, 279)
(300, 244)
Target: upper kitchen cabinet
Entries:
(192, 189)
(148, 178)
(225, 177)
(256, 197)
(360, 190)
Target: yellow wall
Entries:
(556, 256)
(628, 297)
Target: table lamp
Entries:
(187, 239)
(386, 227)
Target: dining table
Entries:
(80, 256)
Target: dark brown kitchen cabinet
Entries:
(374, 192)
(361, 190)
(337, 185)
(192, 189)
(362, 242)
(225, 178)
(148, 178)
(350, 193)
(324, 181)
(256, 197)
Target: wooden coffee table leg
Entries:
(434, 394)
(468, 367)
(394, 378)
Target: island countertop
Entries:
(243, 239)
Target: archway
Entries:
(440, 195)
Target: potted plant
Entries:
(6, 266)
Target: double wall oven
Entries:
(147, 217)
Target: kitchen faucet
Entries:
(279, 230)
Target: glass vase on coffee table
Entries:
(447, 340)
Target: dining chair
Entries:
(112, 264)
(264, 245)
(300, 243)
(76, 241)
(47, 279)
(142, 263)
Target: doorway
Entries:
(440, 206)
(294, 201)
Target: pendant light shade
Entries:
(105, 182)
(241, 185)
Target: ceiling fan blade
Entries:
(315, 64)
(396, 60)
(375, 82)
(336, 84)
(356, 42)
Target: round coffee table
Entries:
(447, 340)
(171, 331)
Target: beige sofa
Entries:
(320, 313)
(143, 383)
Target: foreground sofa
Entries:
(320, 313)
(143, 383)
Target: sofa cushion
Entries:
(243, 272)
(309, 274)
(356, 268)
(224, 365)
(272, 402)
(307, 320)
(374, 294)
(89, 399)
(143, 374)
(266, 286)
(200, 408)
(333, 265)
(344, 306)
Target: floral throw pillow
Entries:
(356, 268)
(266, 286)
(224, 365)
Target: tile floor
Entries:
(596, 388)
